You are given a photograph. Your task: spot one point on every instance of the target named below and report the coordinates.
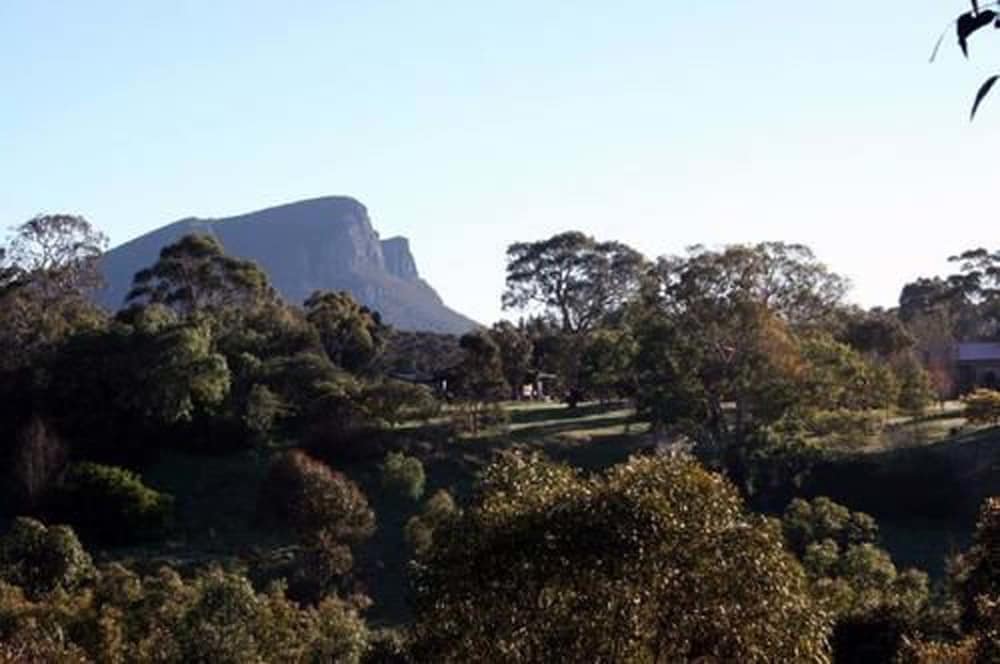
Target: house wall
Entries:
(978, 374)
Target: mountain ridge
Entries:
(325, 243)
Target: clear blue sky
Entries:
(469, 125)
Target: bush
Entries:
(843, 426)
(874, 605)
(40, 559)
(813, 522)
(306, 495)
(439, 510)
(328, 512)
(214, 617)
(404, 475)
(111, 504)
(982, 407)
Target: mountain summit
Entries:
(319, 244)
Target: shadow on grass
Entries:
(547, 430)
(529, 415)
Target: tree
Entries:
(196, 275)
(729, 371)
(327, 512)
(654, 561)
(720, 341)
(977, 571)
(967, 302)
(353, 336)
(478, 382)
(916, 392)
(516, 350)
(39, 456)
(607, 364)
(572, 276)
(975, 578)
(875, 605)
(58, 253)
(480, 375)
(878, 335)
(785, 279)
(838, 377)
(396, 401)
(47, 274)
(134, 381)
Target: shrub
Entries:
(805, 523)
(439, 510)
(982, 407)
(404, 475)
(874, 605)
(111, 504)
(40, 559)
(308, 496)
(328, 512)
(843, 426)
(214, 617)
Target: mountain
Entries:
(320, 244)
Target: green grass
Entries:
(215, 506)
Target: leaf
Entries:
(937, 45)
(969, 22)
(983, 91)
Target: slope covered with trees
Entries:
(214, 473)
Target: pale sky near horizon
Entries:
(466, 126)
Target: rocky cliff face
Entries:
(320, 244)
(398, 259)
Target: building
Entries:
(977, 364)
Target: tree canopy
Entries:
(654, 561)
(195, 274)
(573, 277)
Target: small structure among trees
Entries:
(977, 364)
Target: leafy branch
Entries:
(965, 26)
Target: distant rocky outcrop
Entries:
(320, 244)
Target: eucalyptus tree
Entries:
(196, 275)
(352, 335)
(572, 277)
(720, 333)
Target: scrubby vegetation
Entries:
(707, 457)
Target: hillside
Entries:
(320, 244)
